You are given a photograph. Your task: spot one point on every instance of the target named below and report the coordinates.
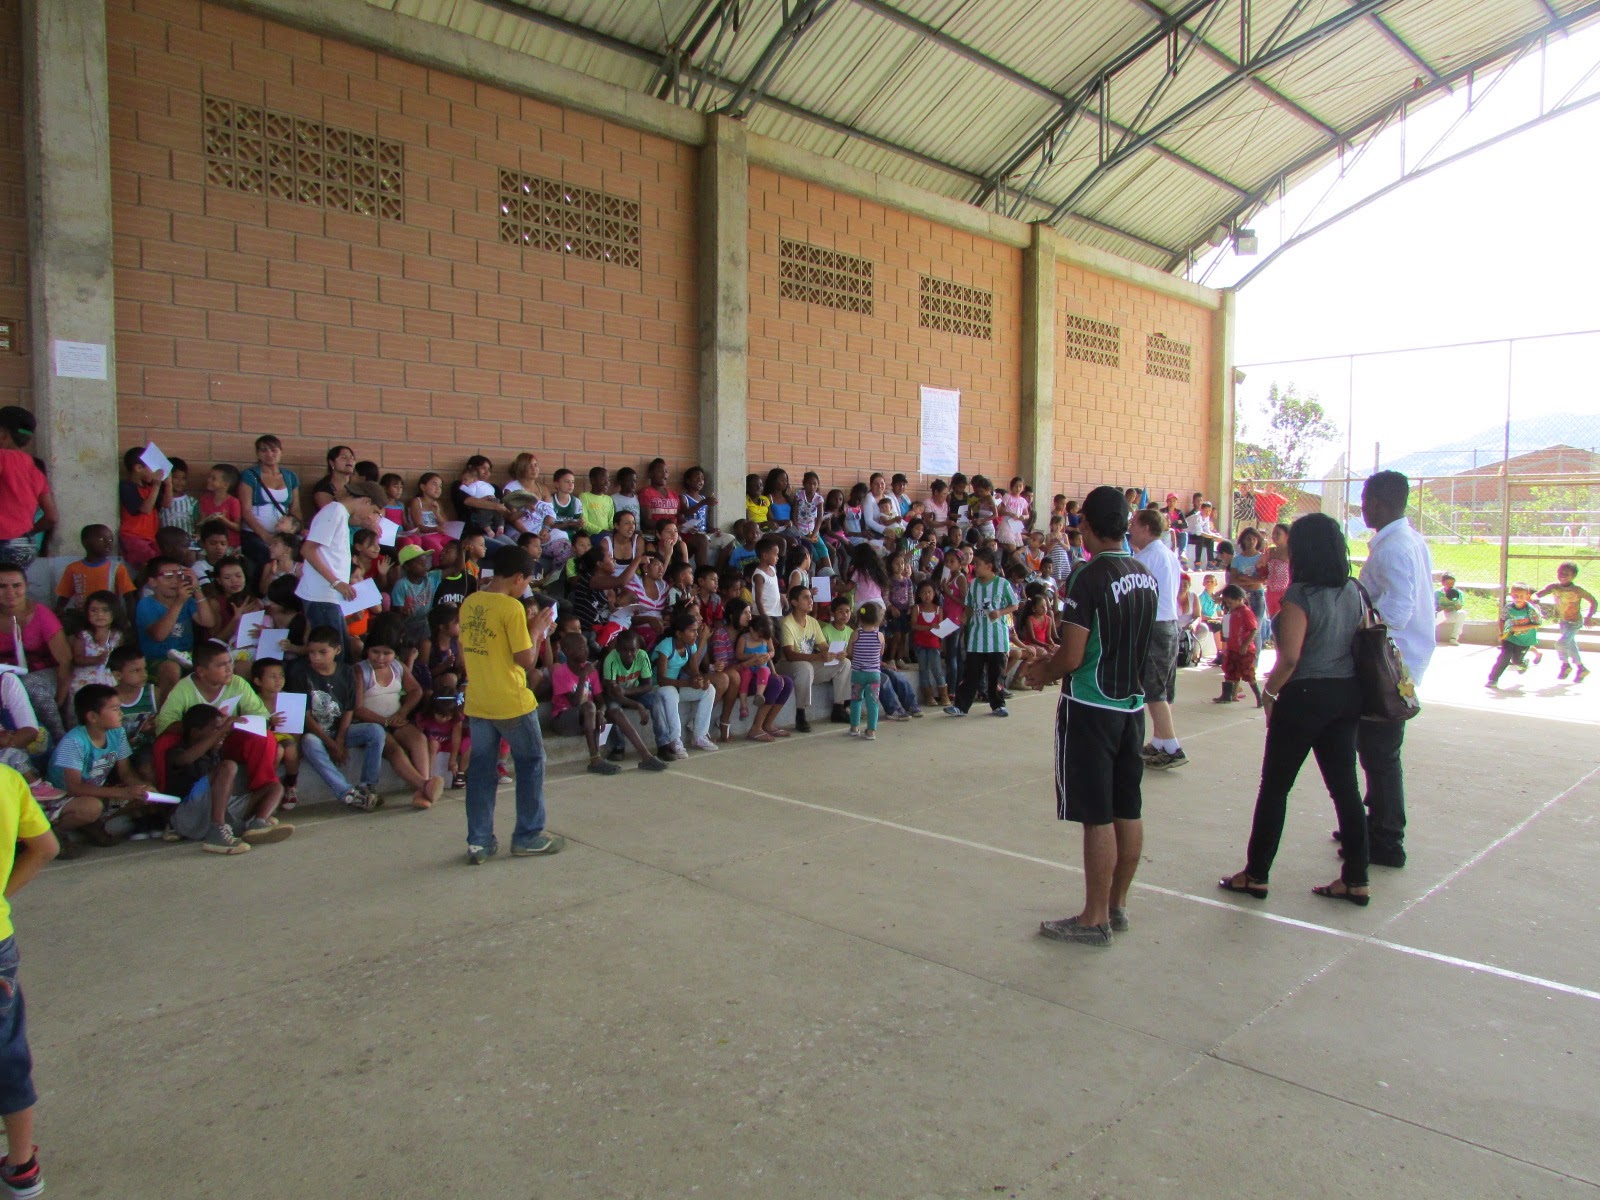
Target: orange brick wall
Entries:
(417, 342)
(14, 383)
(838, 392)
(1120, 425)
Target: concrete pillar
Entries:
(1220, 475)
(66, 121)
(1039, 318)
(724, 228)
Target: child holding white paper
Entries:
(269, 676)
(925, 619)
(105, 628)
(203, 780)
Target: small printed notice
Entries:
(822, 589)
(80, 360)
(941, 430)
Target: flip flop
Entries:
(759, 736)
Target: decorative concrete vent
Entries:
(816, 276)
(1167, 358)
(955, 308)
(1094, 341)
(558, 218)
(9, 341)
(282, 157)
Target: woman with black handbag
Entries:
(1313, 702)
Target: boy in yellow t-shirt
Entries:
(500, 643)
(26, 844)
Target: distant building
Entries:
(1480, 486)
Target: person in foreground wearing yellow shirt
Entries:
(500, 645)
(26, 844)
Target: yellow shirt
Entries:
(20, 817)
(758, 509)
(494, 630)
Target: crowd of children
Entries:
(171, 662)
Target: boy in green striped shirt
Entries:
(990, 602)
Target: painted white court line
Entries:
(1210, 902)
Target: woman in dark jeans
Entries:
(1313, 707)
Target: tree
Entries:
(1296, 425)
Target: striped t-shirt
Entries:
(867, 655)
(984, 596)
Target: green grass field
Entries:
(1478, 563)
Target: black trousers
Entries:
(1312, 716)
(978, 666)
(1510, 655)
(1379, 745)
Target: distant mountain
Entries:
(1527, 435)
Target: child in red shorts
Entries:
(1239, 659)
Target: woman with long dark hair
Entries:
(1313, 706)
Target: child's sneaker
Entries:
(291, 799)
(504, 770)
(24, 1180)
(870, 735)
(264, 831)
(953, 711)
(677, 752)
(704, 744)
(221, 841)
(44, 791)
(1566, 669)
(1580, 674)
(854, 731)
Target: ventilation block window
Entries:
(1167, 358)
(558, 218)
(264, 153)
(955, 308)
(1094, 341)
(813, 275)
(8, 336)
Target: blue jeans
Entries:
(896, 693)
(362, 736)
(930, 668)
(320, 614)
(955, 657)
(1257, 601)
(1567, 643)
(483, 777)
(16, 1062)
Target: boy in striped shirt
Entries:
(990, 602)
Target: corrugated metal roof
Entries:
(955, 95)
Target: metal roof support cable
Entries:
(798, 21)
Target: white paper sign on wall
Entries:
(941, 430)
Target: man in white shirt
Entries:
(1202, 531)
(1161, 661)
(1398, 576)
(326, 578)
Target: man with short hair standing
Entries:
(1398, 577)
(1161, 663)
(1105, 637)
(499, 644)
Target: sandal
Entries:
(1250, 887)
(778, 733)
(1361, 899)
(727, 731)
(757, 735)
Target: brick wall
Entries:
(417, 341)
(1121, 425)
(14, 366)
(839, 391)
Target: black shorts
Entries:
(1099, 763)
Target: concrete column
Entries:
(724, 228)
(1039, 319)
(66, 121)
(1220, 475)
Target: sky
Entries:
(1504, 244)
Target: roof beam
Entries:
(805, 16)
(1377, 117)
(1012, 75)
(690, 38)
(1242, 75)
(1405, 47)
(1223, 60)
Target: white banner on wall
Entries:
(941, 430)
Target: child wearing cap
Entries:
(414, 592)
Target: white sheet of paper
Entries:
(162, 798)
(837, 647)
(387, 531)
(227, 707)
(156, 461)
(605, 732)
(484, 574)
(367, 596)
(293, 707)
(453, 529)
(249, 630)
(81, 360)
(13, 668)
(270, 643)
(822, 589)
(255, 725)
(945, 628)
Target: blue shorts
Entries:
(16, 1062)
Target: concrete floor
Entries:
(810, 970)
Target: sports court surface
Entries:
(810, 970)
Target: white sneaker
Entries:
(678, 752)
(704, 744)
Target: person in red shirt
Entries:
(1239, 659)
(141, 499)
(659, 501)
(26, 506)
